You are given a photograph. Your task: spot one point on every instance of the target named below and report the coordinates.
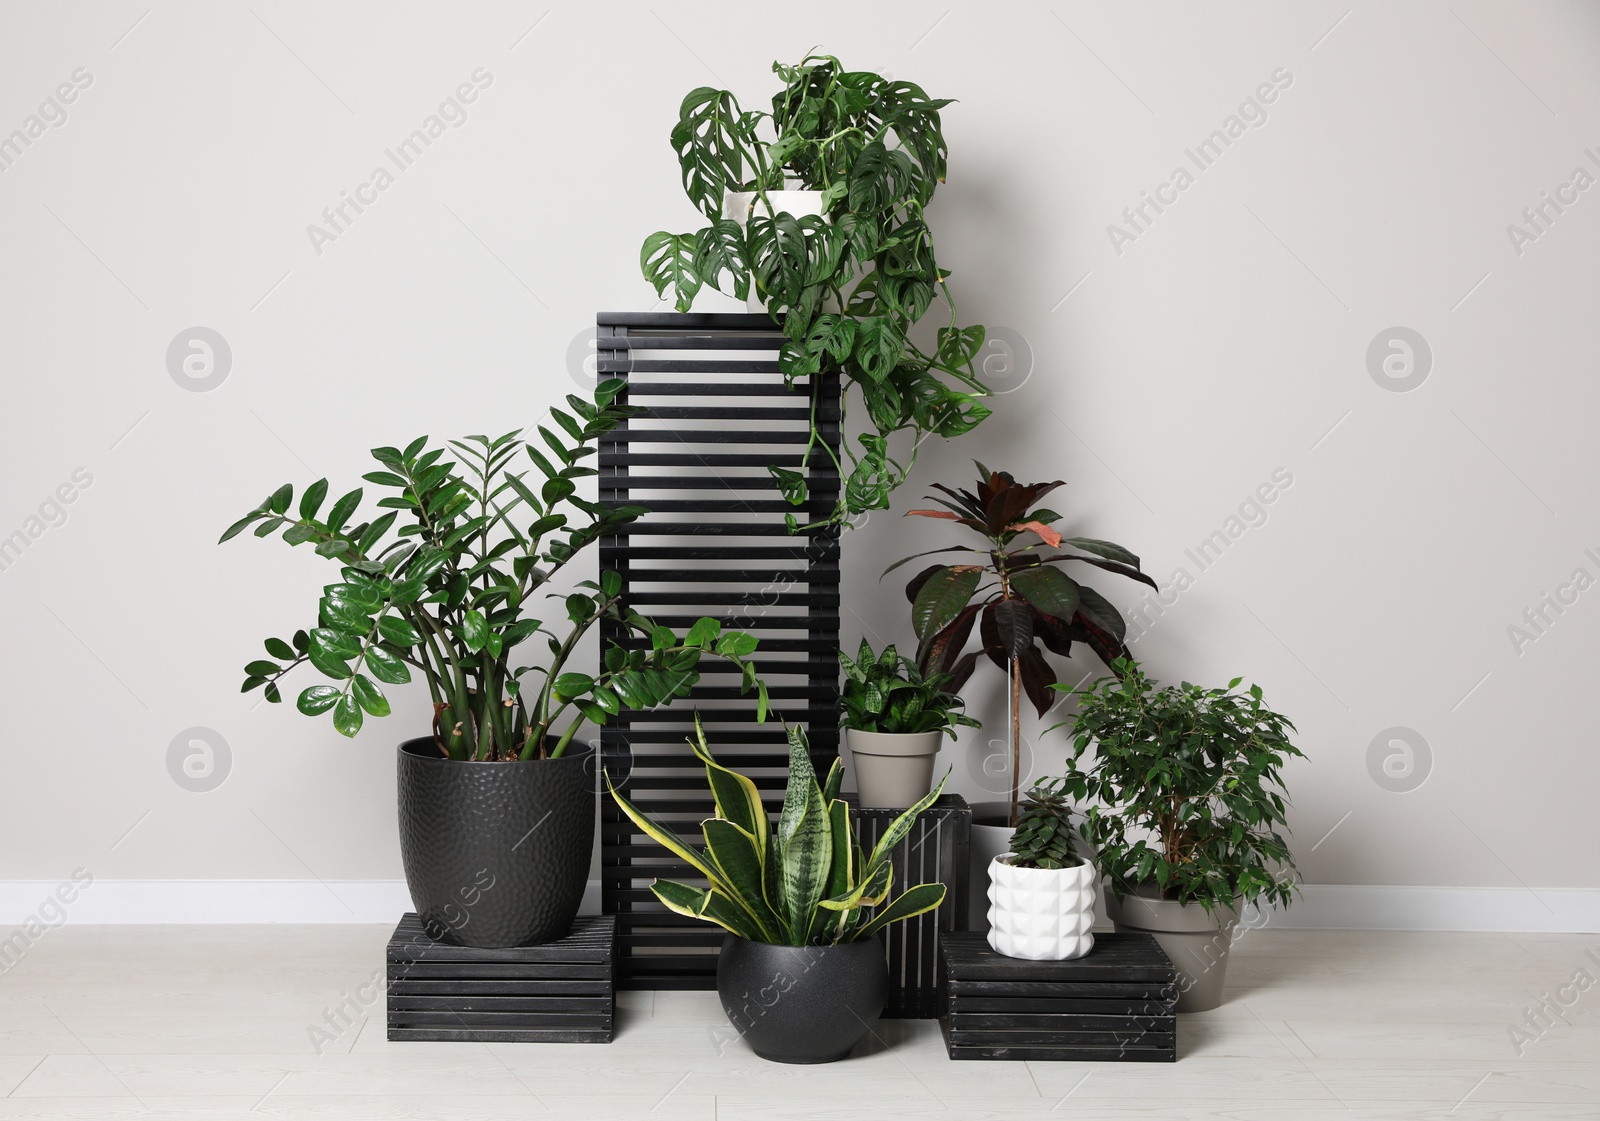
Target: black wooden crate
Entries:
(561, 992)
(935, 851)
(1115, 1004)
(716, 412)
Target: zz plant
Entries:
(847, 287)
(803, 882)
(887, 693)
(1183, 789)
(448, 592)
(1014, 593)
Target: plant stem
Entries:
(1016, 734)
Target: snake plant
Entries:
(806, 882)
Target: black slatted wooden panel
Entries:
(717, 413)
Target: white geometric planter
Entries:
(1042, 914)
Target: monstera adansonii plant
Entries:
(846, 287)
(1015, 594)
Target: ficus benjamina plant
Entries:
(804, 882)
(1014, 593)
(448, 593)
(846, 287)
(1181, 788)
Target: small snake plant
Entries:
(805, 883)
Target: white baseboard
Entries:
(1389, 907)
(1321, 906)
(206, 902)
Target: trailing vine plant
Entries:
(846, 288)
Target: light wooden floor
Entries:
(211, 1022)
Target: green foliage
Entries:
(846, 288)
(1186, 789)
(887, 693)
(1044, 835)
(805, 881)
(448, 593)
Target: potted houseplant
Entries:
(817, 210)
(802, 973)
(1015, 590)
(894, 719)
(1042, 893)
(1184, 806)
(497, 803)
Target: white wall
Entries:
(1167, 381)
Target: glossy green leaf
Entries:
(474, 631)
(311, 500)
(369, 696)
(347, 715)
(239, 526)
(318, 699)
(396, 630)
(342, 509)
(736, 644)
(386, 666)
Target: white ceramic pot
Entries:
(1041, 914)
(991, 837)
(738, 206)
(892, 770)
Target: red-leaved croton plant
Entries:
(1014, 593)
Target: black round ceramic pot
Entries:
(496, 854)
(802, 1004)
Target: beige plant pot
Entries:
(1197, 942)
(1041, 914)
(990, 837)
(738, 206)
(893, 770)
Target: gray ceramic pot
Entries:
(991, 837)
(1196, 942)
(893, 770)
(496, 854)
(802, 1004)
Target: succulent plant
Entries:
(1044, 834)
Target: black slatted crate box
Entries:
(935, 851)
(561, 992)
(1115, 1004)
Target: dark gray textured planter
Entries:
(802, 1004)
(496, 854)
